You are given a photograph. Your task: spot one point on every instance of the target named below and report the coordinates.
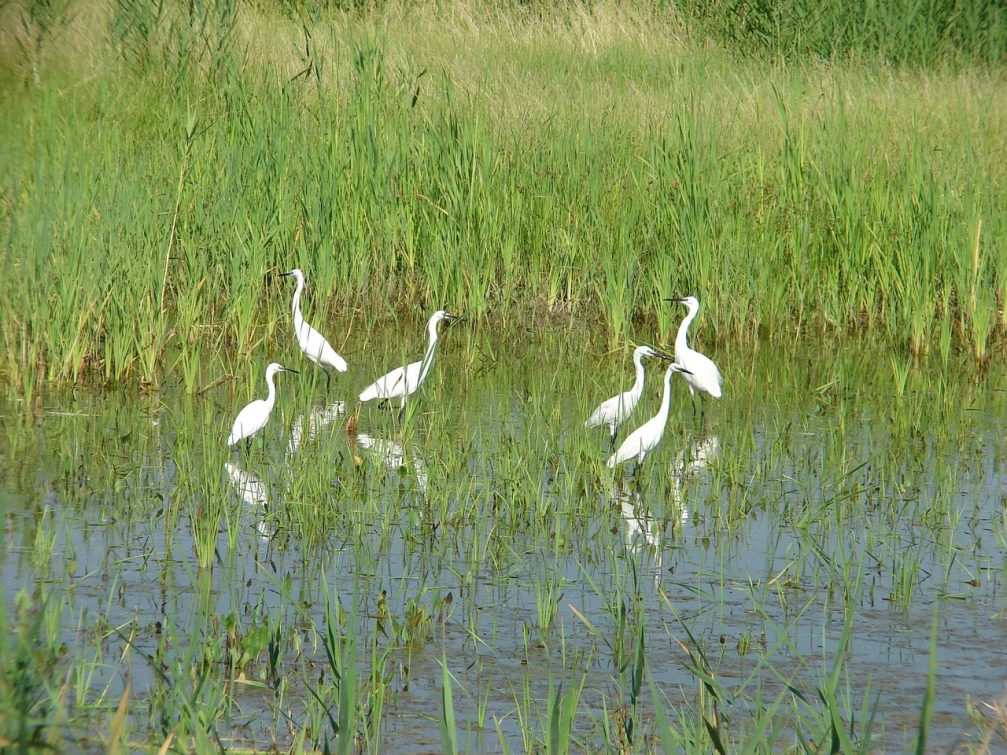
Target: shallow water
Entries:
(816, 494)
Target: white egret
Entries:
(312, 343)
(705, 376)
(617, 409)
(402, 382)
(645, 438)
(255, 415)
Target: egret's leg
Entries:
(328, 380)
(402, 410)
(248, 444)
(611, 443)
(637, 482)
(638, 464)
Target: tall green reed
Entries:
(399, 188)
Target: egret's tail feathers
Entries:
(715, 391)
(612, 461)
(231, 440)
(337, 362)
(327, 356)
(597, 418)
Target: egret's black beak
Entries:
(665, 357)
(678, 299)
(287, 369)
(684, 371)
(285, 275)
(452, 318)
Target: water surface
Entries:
(820, 497)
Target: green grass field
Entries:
(160, 161)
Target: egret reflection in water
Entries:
(688, 465)
(642, 533)
(252, 491)
(693, 460)
(392, 454)
(308, 426)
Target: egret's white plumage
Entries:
(617, 409)
(312, 343)
(645, 438)
(705, 376)
(403, 381)
(255, 415)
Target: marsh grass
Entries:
(403, 171)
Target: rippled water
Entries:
(816, 494)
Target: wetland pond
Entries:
(772, 569)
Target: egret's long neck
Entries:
(666, 399)
(682, 342)
(637, 390)
(295, 305)
(271, 396)
(428, 358)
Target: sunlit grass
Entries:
(564, 164)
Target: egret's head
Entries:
(441, 314)
(275, 367)
(690, 301)
(296, 272)
(647, 351)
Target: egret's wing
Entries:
(318, 348)
(629, 448)
(384, 386)
(401, 382)
(248, 421)
(616, 410)
(329, 356)
(601, 414)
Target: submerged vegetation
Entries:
(161, 161)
